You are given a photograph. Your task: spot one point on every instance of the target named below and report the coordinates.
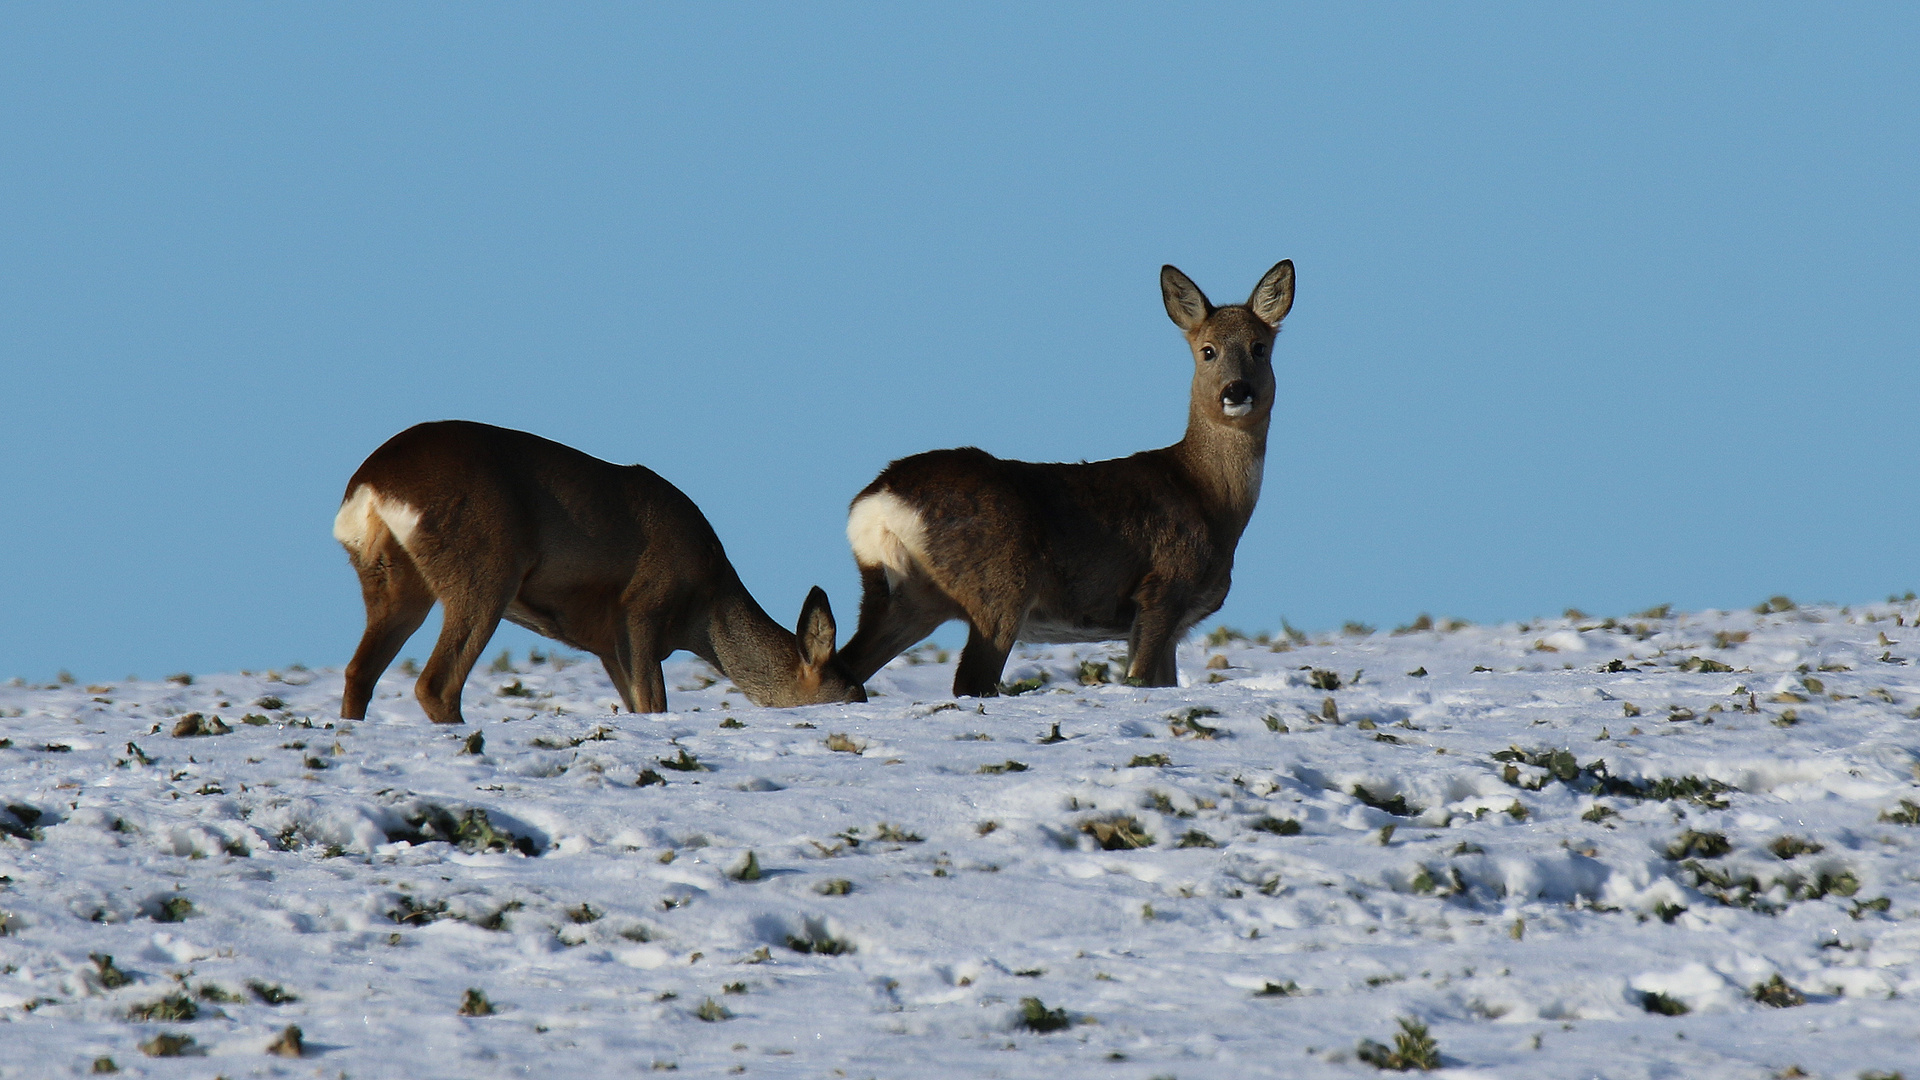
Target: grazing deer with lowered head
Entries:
(610, 559)
(1138, 547)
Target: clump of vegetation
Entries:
(104, 1065)
(1397, 805)
(834, 887)
(1594, 778)
(1095, 673)
(839, 743)
(748, 870)
(1274, 989)
(648, 778)
(1149, 761)
(599, 734)
(1908, 813)
(515, 689)
(411, 912)
(683, 762)
(1667, 912)
(217, 994)
(1006, 767)
(1052, 736)
(1187, 723)
(503, 663)
(1787, 847)
(472, 832)
(1774, 605)
(1655, 1002)
(1035, 1016)
(1705, 845)
(20, 819)
(111, 977)
(194, 724)
(1121, 832)
(1196, 838)
(1777, 993)
(268, 994)
(890, 834)
(166, 1044)
(1705, 665)
(713, 1012)
(1843, 883)
(1277, 826)
(1025, 686)
(475, 744)
(474, 1003)
(173, 1007)
(1322, 679)
(172, 909)
(291, 1042)
(1423, 623)
(1413, 1049)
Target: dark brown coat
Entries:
(1138, 547)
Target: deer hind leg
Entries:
(397, 600)
(475, 589)
(893, 617)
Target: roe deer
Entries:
(1138, 547)
(607, 558)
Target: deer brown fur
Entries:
(606, 558)
(1138, 547)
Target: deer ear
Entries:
(1187, 306)
(816, 630)
(1273, 297)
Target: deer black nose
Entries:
(1236, 398)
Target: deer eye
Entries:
(1259, 349)
(1206, 352)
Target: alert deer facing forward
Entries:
(1139, 547)
(610, 559)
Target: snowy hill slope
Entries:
(1562, 865)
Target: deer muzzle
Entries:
(1236, 398)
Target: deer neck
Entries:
(759, 655)
(1226, 463)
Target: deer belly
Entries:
(1048, 630)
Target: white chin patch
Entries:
(1241, 409)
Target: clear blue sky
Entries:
(1598, 305)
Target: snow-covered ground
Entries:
(1526, 848)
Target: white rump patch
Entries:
(354, 522)
(886, 531)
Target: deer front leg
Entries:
(616, 664)
(1152, 640)
(645, 688)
